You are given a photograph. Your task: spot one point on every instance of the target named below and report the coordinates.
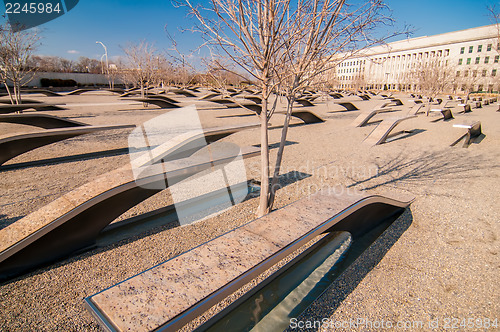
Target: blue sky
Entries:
(116, 22)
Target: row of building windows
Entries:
(478, 60)
(414, 87)
(348, 70)
(414, 56)
(479, 48)
(352, 63)
(474, 73)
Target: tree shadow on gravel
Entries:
(4, 221)
(428, 167)
(361, 263)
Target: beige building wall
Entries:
(468, 61)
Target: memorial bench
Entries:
(184, 93)
(348, 106)
(74, 220)
(445, 112)
(171, 294)
(304, 102)
(5, 109)
(466, 108)
(307, 117)
(46, 92)
(380, 134)
(365, 116)
(85, 90)
(13, 145)
(40, 120)
(473, 131)
(160, 102)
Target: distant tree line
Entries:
(61, 65)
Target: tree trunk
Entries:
(18, 96)
(16, 93)
(9, 92)
(279, 157)
(264, 157)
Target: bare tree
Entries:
(87, 65)
(433, 76)
(248, 33)
(318, 35)
(142, 62)
(16, 48)
(284, 44)
(494, 15)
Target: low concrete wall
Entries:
(81, 78)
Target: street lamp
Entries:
(105, 54)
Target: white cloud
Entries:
(73, 51)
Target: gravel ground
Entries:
(438, 261)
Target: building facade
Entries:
(456, 62)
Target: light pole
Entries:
(106, 55)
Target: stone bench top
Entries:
(30, 105)
(165, 292)
(62, 131)
(468, 125)
(180, 142)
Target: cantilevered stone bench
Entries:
(306, 116)
(226, 102)
(48, 93)
(162, 103)
(363, 118)
(336, 95)
(415, 109)
(255, 99)
(84, 90)
(210, 95)
(184, 93)
(24, 101)
(5, 109)
(466, 108)
(473, 131)
(171, 294)
(380, 134)
(40, 120)
(186, 144)
(348, 106)
(74, 221)
(304, 102)
(445, 112)
(14, 145)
